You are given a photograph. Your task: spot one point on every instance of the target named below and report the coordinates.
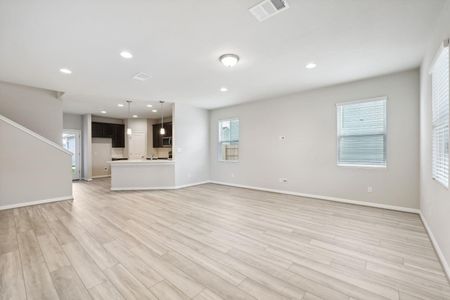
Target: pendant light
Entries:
(162, 131)
(129, 131)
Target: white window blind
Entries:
(362, 133)
(229, 140)
(440, 116)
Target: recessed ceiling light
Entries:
(154, 110)
(120, 105)
(149, 105)
(311, 65)
(103, 111)
(229, 60)
(126, 54)
(135, 116)
(223, 89)
(65, 71)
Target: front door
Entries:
(72, 142)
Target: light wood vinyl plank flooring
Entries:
(213, 242)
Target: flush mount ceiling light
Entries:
(65, 71)
(120, 105)
(223, 89)
(154, 110)
(126, 54)
(229, 60)
(311, 65)
(135, 116)
(103, 111)
(149, 105)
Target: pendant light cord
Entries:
(162, 114)
(129, 108)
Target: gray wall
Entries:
(72, 121)
(191, 144)
(434, 198)
(36, 109)
(31, 170)
(307, 158)
(107, 120)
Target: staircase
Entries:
(33, 169)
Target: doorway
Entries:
(72, 142)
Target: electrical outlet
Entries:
(283, 180)
(369, 189)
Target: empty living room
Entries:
(224, 149)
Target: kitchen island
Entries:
(142, 174)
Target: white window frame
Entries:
(338, 119)
(219, 143)
(439, 123)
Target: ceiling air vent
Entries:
(268, 8)
(141, 76)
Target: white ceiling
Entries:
(178, 43)
(95, 104)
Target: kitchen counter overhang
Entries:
(142, 174)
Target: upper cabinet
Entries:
(116, 132)
(118, 136)
(158, 140)
(98, 130)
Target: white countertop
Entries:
(141, 162)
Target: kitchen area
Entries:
(123, 145)
(135, 152)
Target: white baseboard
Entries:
(335, 199)
(142, 188)
(3, 207)
(191, 184)
(438, 250)
(100, 176)
(174, 187)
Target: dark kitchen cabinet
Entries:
(156, 142)
(157, 138)
(118, 136)
(99, 130)
(116, 132)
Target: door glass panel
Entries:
(71, 143)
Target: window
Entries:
(229, 140)
(440, 107)
(362, 133)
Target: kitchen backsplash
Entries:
(160, 152)
(118, 152)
